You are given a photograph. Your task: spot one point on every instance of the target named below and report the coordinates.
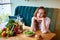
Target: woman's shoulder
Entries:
(33, 18)
(47, 18)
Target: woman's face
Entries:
(40, 13)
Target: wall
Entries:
(45, 3)
(37, 3)
(57, 31)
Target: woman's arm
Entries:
(33, 24)
(45, 25)
(45, 22)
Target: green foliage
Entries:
(12, 33)
(10, 24)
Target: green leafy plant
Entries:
(10, 24)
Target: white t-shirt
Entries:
(47, 21)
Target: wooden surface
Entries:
(21, 36)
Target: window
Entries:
(5, 9)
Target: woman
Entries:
(40, 21)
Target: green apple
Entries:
(0, 30)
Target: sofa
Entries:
(27, 13)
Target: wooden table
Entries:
(21, 36)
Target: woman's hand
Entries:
(35, 18)
(40, 19)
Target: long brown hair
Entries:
(35, 14)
